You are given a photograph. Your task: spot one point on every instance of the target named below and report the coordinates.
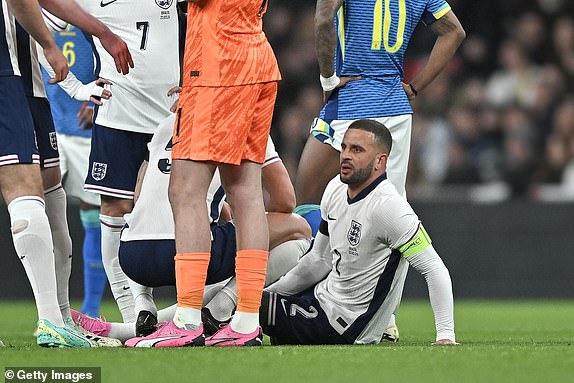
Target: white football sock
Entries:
(119, 282)
(283, 258)
(56, 212)
(122, 331)
(143, 298)
(244, 323)
(186, 316)
(33, 244)
(166, 314)
(222, 305)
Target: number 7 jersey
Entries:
(150, 29)
(373, 36)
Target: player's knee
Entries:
(115, 207)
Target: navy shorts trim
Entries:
(151, 262)
(17, 137)
(45, 132)
(297, 319)
(115, 158)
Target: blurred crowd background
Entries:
(497, 125)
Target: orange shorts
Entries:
(224, 124)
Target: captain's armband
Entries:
(417, 243)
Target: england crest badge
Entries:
(354, 234)
(165, 4)
(53, 140)
(99, 171)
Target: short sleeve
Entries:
(434, 10)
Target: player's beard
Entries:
(358, 176)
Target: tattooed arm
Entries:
(325, 45)
(326, 35)
(450, 35)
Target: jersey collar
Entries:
(365, 192)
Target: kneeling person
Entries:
(147, 246)
(346, 289)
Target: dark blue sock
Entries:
(312, 214)
(94, 274)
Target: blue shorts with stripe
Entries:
(115, 158)
(297, 319)
(151, 262)
(45, 132)
(17, 137)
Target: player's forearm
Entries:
(429, 264)
(326, 35)
(450, 36)
(28, 14)
(71, 12)
(70, 84)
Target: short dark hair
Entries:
(383, 137)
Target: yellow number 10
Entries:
(382, 26)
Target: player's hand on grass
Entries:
(58, 62)
(118, 49)
(442, 342)
(85, 116)
(342, 83)
(171, 92)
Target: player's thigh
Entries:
(296, 319)
(319, 163)
(18, 152)
(115, 158)
(213, 123)
(397, 166)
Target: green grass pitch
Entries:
(501, 341)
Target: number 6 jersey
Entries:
(150, 29)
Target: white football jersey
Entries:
(139, 100)
(8, 50)
(151, 217)
(366, 281)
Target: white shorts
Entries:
(400, 128)
(74, 155)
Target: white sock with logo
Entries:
(56, 212)
(33, 244)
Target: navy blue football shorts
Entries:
(115, 158)
(45, 132)
(297, 319)
(17, 137)
(151, 262)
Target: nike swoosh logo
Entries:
(331, 218)
(126, 287)
(102, 4)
